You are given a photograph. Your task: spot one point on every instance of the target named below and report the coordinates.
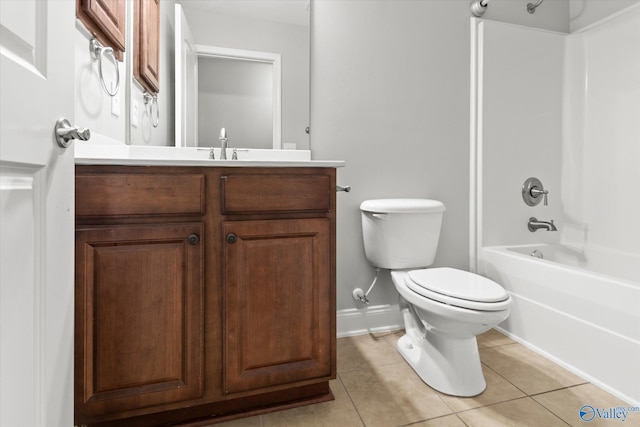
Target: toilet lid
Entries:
(459, 284)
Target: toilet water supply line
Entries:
(361, 296)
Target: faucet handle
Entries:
(532, 189)
(535, 192)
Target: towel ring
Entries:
(153, 100)
(98, 52)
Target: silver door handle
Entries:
(65, 133)
(345, 188)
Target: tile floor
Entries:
(375, 387)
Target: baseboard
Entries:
(380, 318)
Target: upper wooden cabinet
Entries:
(106, 20)
(146, 44)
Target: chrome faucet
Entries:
(223, 142)
(534, 225)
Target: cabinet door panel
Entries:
(146, 62)
(277, 303)
(109, 17)
(139, 317)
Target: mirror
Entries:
(243, 65)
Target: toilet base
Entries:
(448, 364)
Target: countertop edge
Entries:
(210, 163)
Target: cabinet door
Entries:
(146, 51)
(107, 20)
(277, 302)
(139, 317)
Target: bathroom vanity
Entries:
(203, 293)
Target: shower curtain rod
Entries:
(479, 7)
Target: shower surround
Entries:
(564, 108)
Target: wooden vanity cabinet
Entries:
(202, 294)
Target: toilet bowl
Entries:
(440, 340)
(443, 309)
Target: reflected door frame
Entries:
(265, 57)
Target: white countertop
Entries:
(88, 153)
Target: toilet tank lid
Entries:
(402, 206)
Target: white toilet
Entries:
(444, 309)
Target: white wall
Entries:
(390, 95)
(601, 149)
(92, 104)
(521, 137)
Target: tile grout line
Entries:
(353, 404)
(550, 411)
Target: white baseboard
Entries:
(380, 318)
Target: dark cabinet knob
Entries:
(232, 238)
(193, 239)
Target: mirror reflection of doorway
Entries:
(236, 95)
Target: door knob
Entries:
(65, 133)
(232, 238)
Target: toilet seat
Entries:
(458, 288)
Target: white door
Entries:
(36, 214)
(186, 77)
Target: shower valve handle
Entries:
(535, 192)
(532, 189)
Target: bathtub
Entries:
(575, 307)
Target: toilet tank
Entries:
(401, 233)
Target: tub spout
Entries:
(534, 224)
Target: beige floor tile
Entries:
(498, 390)
(392, 395)
(364, 351)
(527, 370)
(241, 422)
(566, 404)
(339, 412)
(521, 412)
(447, 421)
(493, 338)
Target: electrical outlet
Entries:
(115, 102)
(135, 106)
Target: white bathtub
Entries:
(572, 312)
